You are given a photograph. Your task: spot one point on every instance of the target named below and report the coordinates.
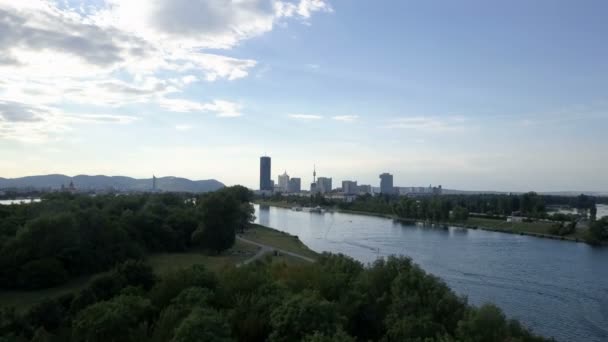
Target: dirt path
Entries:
(266, 249)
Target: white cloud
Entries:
(305, 116)
(428, 124)
(303, 9)
(183, 127)
(346, 118)
(116, 53)
(313, 66)
(220, 107)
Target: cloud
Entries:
(220, 107)
(113, 53)
(313, 66)
(18, 112)
(100, 119)
(180, 23)
(303, 9)
(346, 118)
(183, 127)
(428, 124)
(305, 117)
(39, 123)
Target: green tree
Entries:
(598, 231)
(112, 320)
(484, 324)
(460, 213)
(221, 218)
(203, 325)
(301, 314)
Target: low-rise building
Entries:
(295, 185)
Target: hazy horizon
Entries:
(473, 95)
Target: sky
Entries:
(470, 94)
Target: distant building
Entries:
(313, 188)
(153, 183)
(324, 185)
(386, 184)
(283, 182)
(71, 188)
(295, 185)
(265, 179)
(350, 187)
(364, 189)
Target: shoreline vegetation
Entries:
(536, 229)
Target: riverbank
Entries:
(535, 229)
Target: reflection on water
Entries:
(19, 201)
(557, 288)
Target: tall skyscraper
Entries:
(386, 184)
(265, 180)
(284, 182)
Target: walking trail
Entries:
(267, 249)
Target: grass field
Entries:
(538, 227)
(164, 262)
(272, 237)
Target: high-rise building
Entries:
(324, 185)
(284, 182)
(265, 180)
(349, 187)
(295, 185)
(386, 184)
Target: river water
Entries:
(557, 288)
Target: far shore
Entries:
(439, 224)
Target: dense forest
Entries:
(44, 244)
(334, 299)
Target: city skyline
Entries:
(432, 92)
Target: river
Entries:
(557, 288)
(19, 201)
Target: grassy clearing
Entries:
(538, 227)
(165, 262)
(272, 237)
(161, 263)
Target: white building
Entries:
(283, 184)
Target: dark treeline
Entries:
(334, 299)
(44, 244)
(436, 208)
